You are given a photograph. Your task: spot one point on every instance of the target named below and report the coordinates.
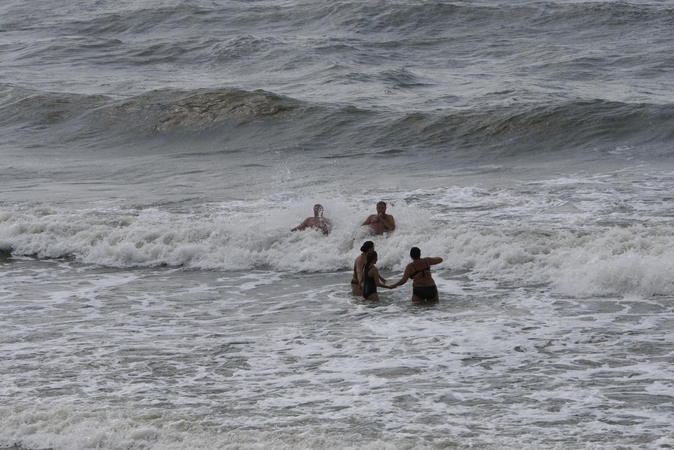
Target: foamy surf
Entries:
(156, 155)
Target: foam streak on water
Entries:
(605, 234)
(156, 154)
(158, 357)
(554, 327)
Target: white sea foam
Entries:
(168, 358)
(567, 233)
(155, 155)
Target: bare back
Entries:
(420, 271)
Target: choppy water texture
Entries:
(156, 154)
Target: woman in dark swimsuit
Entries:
(367, 247)
(372, 279)
(419, 270)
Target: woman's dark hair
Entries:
(415, 253)
(367, 246)
(371, 258)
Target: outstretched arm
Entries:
(403, 280)
(301, 226)
(378, 279)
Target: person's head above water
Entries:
(318, 210)
(380, 222)
(415, 253)
(367, 246)
(371, 258)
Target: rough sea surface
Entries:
(154, 156)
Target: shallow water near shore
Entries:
(161, 356)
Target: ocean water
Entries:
(154, 156)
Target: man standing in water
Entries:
(318, 221)
(380, 222)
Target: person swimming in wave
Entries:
(423, 285)
(358, 265)
(318, 221)
(380, 222)
(372, 279)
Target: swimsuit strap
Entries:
(416, 272)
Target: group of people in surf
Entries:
(380, 223)
(366, 277)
